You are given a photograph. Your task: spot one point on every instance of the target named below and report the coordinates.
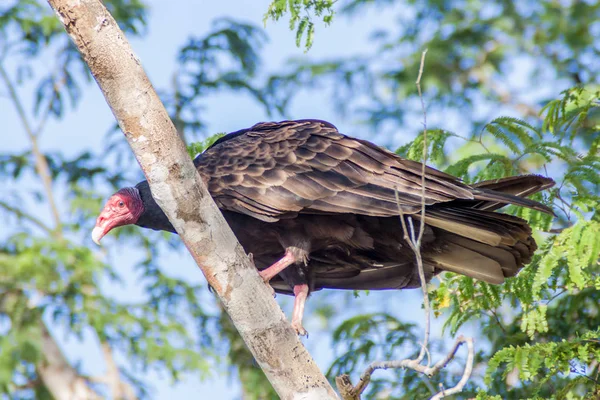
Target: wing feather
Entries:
(306, 166)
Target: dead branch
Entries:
(466, 374)
(349, 392)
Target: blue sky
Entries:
(170, 24)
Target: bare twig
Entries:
(417, 244)
(343, 382)
(409, 235)
(466, 374)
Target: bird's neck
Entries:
(153, 216)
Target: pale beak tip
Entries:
(97, 234)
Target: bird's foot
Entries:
(297, 325)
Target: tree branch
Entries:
(504, 95)
(41, 165)
(466, 374)
(61, 379)
(353, 393)
(20, 214)
(177, 188)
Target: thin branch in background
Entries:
(44, 118)
(495, 316)
(21, 214)
(41, 165)
(344, 384)
(428, 383)
(32, 384)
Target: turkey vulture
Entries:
(301, 194)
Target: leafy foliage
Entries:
(196, 148)
(545, 360)
(225, 59)
(566, 263)
(473, 51)
(301, 16)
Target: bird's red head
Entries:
(123, 208)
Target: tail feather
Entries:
(483, 226)
(502, 256)
(484, 245)
(494, 200)
(522, 186)
(459, 259)
(496, 193)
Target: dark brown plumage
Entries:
(300, 193)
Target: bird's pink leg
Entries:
(301, 293)
(287, 260)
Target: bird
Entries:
(318, 209)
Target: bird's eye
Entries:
(121, 204)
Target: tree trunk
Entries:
(179, 191)
(59, 377)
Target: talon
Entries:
(299, 329)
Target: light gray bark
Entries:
(59, 377)
(182, 195)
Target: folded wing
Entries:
(277, 170)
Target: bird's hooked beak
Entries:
(103, 226)
(123, 208)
